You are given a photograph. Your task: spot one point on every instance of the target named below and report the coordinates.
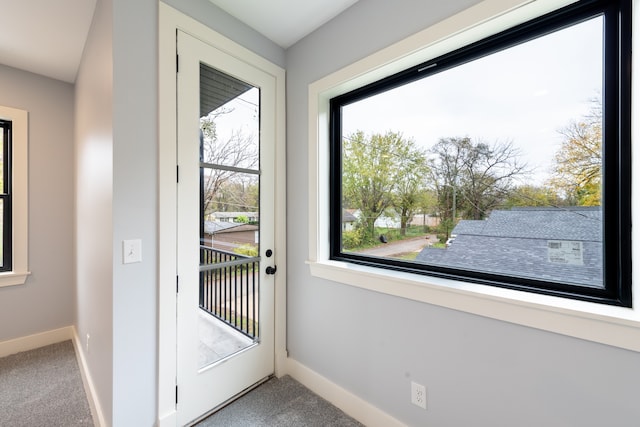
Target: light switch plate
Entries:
(131, 251)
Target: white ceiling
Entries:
(47, 36)
(284, 21)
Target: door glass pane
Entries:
(229, 215)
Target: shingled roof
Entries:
(516, 243)
(348, 216)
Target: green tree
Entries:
(578, 162)
(427, 205)
(378, 174)
(410, 185)
(246, 249)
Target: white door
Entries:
(226, 151)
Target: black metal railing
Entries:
(229, 289)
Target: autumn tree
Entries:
(532, 195)
(381, 172)
(578, 162)
(472, 178)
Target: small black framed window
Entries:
(505, 162)
(5, 196)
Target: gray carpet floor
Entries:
(43, 387)
(281, 402)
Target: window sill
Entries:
(12, 278)
(615, 326)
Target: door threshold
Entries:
(231, 400)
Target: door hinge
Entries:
(177, 174)
(177, 284)
(177, 63)
(176, 394)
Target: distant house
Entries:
(383, 221)
(348, 219)
(386, 221)
(555, 244)
(233, 216)
(425, 219)
(229, 235)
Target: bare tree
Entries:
(218, 156)
(444, 171)
(472, 178)
(237, 195)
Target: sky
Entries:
(241, 115)
(524, 94)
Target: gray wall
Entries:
(94, 194)
(478, 371)
(46, 300)
(216, 18)
(116, 191)
(116, 196)
(135, 174)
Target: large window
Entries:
(14, 217)
(5, 196)
(505, 162)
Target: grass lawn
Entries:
(409, 256)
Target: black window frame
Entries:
(5, 196)
(616, 158)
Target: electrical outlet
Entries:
(419, 395)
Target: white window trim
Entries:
(615, 326)
(20, 212)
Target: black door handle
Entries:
(271, 270)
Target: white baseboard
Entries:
(348, 402)
(168, 420)
(34, 341)
(89, 388)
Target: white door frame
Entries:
(169, 21)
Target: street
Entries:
(400, 246)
